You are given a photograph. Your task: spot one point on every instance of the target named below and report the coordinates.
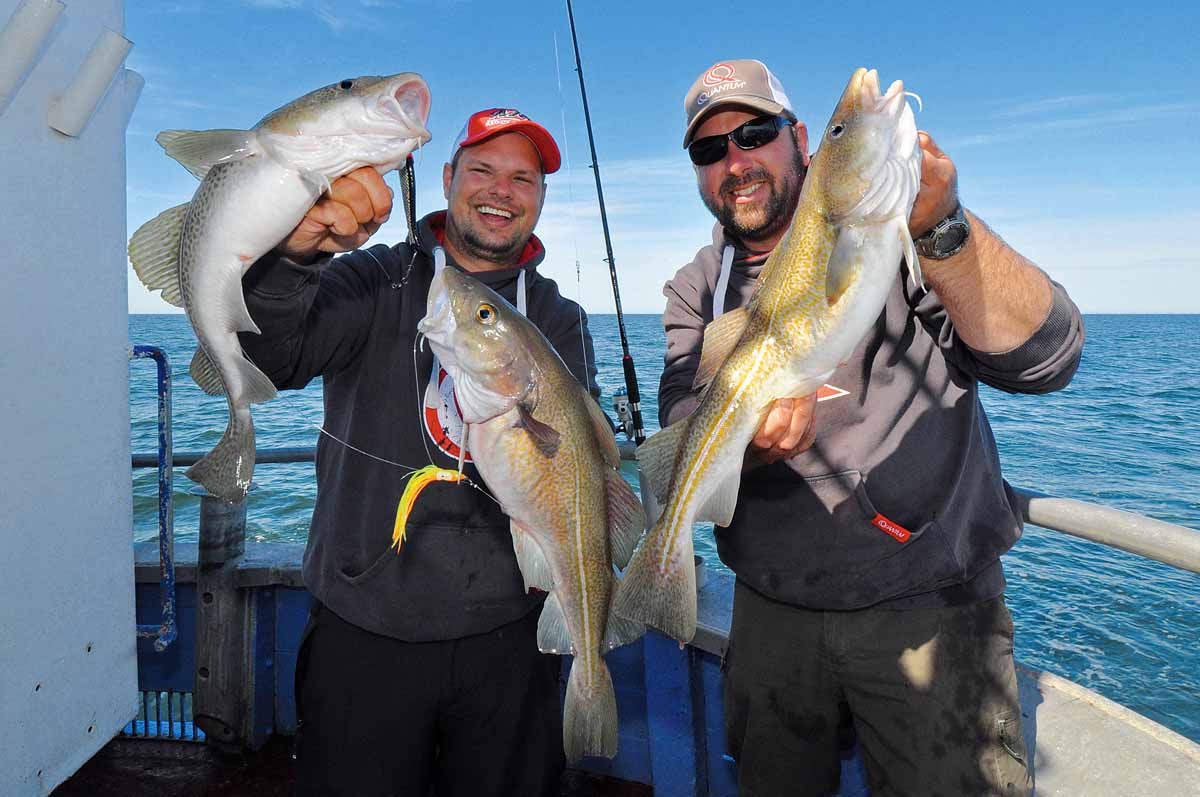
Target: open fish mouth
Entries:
(438, 323)
(895, 177)
(407, 104)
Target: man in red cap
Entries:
(418, 667)
(867, 542)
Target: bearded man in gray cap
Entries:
(869, 526)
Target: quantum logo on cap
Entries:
(720, 79)
(718, 74)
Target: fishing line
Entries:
(406, 468)
(356, 449)
(566, 149)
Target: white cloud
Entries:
(1133, 264)
(1087, 121)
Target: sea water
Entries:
(1125, 434)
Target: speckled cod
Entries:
(256, 185)
(546, 451)
(820, 291)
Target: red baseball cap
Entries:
(482, 125)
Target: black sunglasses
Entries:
(751, 135)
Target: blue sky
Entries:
(1073, 124)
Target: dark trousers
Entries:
(933, 694)
(478, 716)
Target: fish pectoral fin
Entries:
(552, 633)
(545, 437)
(626, 518)
(845, 263)
(530, 559)
(719, 505)
(656, 458)
(720, 338)
(910, 254)
(154, 253)
(205, 374)
(200, 150)
(620, 630)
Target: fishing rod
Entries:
(631, 383)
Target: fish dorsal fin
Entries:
(626, 519)
(656, 457)
(530, 559)
(720, 338)
(910, 254)
(205, 374)
(620, 631)
(605, 437)
(552, 633)
(545, 437)
(154, 253)
(200, 150)
(845, 263)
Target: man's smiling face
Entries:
(753, 192)
(494, 194)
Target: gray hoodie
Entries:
(900, 502)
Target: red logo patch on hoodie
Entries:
(891, 528)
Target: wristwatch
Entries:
(946, 238)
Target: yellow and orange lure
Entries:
(418, 481)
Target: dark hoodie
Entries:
(352, 321)
(900, 501)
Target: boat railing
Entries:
(243, 607)
(1178, 546)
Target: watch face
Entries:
(951, 239)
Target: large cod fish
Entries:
(820, 291)
(256, 185)
(547, 452)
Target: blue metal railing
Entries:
(164, 632)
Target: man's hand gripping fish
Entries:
(256, 185)
(819, 293)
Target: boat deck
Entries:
(180, 769)
(1081, 743)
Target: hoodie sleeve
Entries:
(1044, 363)
(683, 322)
(314, 318)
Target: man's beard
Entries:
(506, 251)
(755, 224)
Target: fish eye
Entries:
(837, 130)
(347, 84)
(485, 313)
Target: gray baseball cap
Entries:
(743, 82)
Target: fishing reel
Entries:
(620, 405)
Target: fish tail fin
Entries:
(589, 712)
(660, 590)
(226, 470)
